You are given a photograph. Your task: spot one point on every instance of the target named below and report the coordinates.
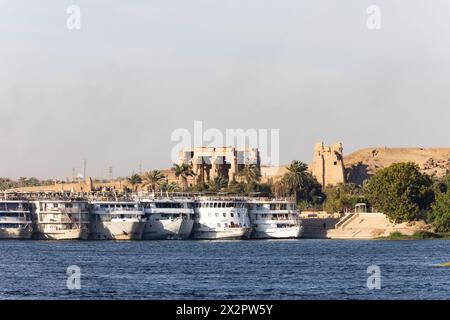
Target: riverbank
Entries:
(363, 226)
(418, 235)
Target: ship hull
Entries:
(178, 229)
(229, 234)
(278, 233)
(16, 233)
(116, 230)
(70, 234)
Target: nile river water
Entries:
(276, 269)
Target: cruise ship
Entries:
(116, 220)
(15, 219)
(217, 218)
(274, 219)
(168, 218)
(61, 219)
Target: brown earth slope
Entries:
(362, 164)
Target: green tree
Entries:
(169, 186)
(217, 184)
(152, 180)
(440, 209)
(250, 173)
(400, 191)
(6, 183)
(342, 197)
(183, 171)
(236, 187)
(134, 181)
(22, 182)
(200, 186)
(300, 183)
(295, 177)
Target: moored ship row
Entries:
(149, 218)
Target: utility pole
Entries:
(84, 168)
(110, 173)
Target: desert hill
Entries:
(363, 163)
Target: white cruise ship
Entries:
(15, 219)
(217, 218)
(274, 219)
(168, 218)
(61, 219)
(116, 220)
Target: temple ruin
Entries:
(226, 162)
(328, 164)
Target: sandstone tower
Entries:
(328, 164)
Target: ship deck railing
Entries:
(110, 196)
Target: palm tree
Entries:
(183, 171)
(217, 184)
(169, 187)
(22, 182)
(295, 178)
(152, 180)
(297, 167)
(280, 188)
(250, 173)
(135, 180)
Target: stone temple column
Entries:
(233, 169)
(214, 172)
(197, 170)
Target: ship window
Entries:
(239, 215)
(218, 225)
(217, 214)
(231, 214)
(226, 225)
(224, 214)
(215, 205)
(209, 214)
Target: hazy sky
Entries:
(114, 91)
